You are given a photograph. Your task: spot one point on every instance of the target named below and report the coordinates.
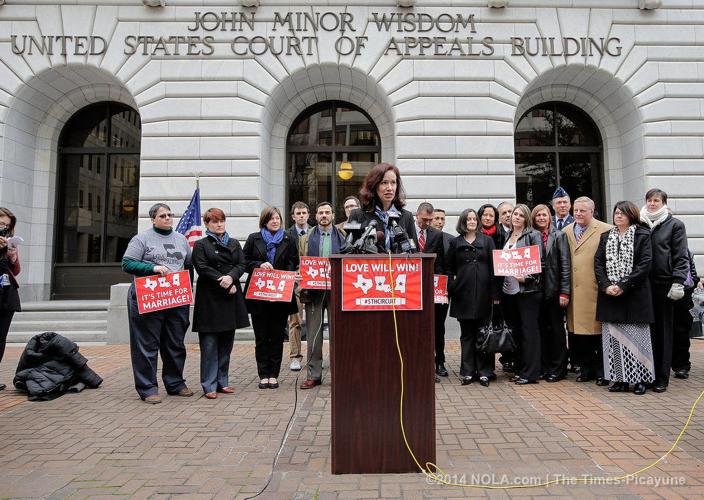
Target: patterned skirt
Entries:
(628, 353)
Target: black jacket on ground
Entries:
(364, 218)
(472, 286)
(557, 265)
(285, 259)
(635, 305)
(670, 255)
(216, 310)
(50, 366)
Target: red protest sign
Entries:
(315, 272)
(367, 285)
(517, 262)
(440, 288)
(271, 284)
(155, 293)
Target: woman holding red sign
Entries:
(469, 262)
(270, 248)
(219, 309)
(522, 296)
(382, 198)
(158, 250)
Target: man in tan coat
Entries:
(583, 237)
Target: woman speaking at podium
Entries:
(382, 198)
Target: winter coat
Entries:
(9, 297)
(472, 267)
(635, 304)
(581, 313)
(216, 310)
(557, 266)
(285, 259)
(50, 366)
(670, 256)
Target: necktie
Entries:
(577, 232)
(326, 245)
(560, 224)
(421, 240)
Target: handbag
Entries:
(495, 336)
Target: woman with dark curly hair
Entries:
(382, 198)
(489, 220)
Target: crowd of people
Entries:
(610, 302)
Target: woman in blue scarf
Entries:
(270, 248)
(220, 307)
(381, 197)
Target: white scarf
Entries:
(619, 254)
(652, 219)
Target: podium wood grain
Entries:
(365, 372)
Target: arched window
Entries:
(557, 144)
(330, 149)
(97, 202)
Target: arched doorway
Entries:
(330, 148)
(558, 144)
(97, 199)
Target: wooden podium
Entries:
(366, 384)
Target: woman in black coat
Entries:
(220, 307)
(557, 282)
(521, 297)
(270, 248)
(469, 261)
(382, 197)
(624, 302)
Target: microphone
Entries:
(350, 228)
(402, 243)
(363, 244)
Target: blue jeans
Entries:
(215, 350)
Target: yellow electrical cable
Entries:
(435, 473)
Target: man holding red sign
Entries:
(322, 241)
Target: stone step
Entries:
(66, 305)
(82, 336)
(60, 316)
(50, 325)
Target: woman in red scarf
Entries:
(489, 219)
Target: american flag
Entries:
(189, 225)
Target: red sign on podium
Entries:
(155, 293)
(517, 262)
(271, 284)
(367, 285)
(315, 272)
(440, 289)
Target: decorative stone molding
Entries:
(249, 3)
(405, 3)
(497, 4)
(154, 3)
(649, 4)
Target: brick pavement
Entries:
(106, 442)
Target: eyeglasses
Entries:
(165, 216)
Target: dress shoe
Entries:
(226, 390)
(618, 387)
(639, 389)
(154, 399)
(524, 381)
(184, 393)
(484, 381)
(441, 370)
(2, 386)
(659, 387)
(295, 365)
(310, 383)
(211, 395)
(264, 383)
(683, 373)
(466, 380)
(601, 382)
(583, 377)
(514, 378)
(551, 378)
(274, 384)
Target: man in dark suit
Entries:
(299, 214)
(561, 204)
(441, 309)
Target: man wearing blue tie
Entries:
(561, 204)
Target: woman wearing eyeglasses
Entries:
(9, 269)
(158, 250)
